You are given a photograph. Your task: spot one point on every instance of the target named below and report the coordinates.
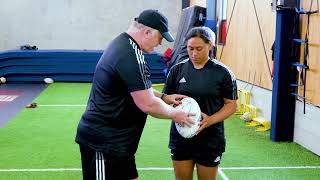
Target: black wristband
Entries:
(162, 96)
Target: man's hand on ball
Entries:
(183, 118)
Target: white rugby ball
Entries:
(48, 80)
(189, 105)
(3, 80)
(246, 116)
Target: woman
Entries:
(213, 86)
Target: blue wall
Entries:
(62, 65)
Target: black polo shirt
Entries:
(208, 86)
(112, 122)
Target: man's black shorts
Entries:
(99, 165)
(205, 158)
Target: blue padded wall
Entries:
(62, 65)
(283, 102)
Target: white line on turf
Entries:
(155, 169)
(165, 169)
(77, 169)
(279, 167)
(222, 174)
(37, 170)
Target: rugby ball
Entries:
(191, 106)
(48, 80)
(3, 80)
(246, 116)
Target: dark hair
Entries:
(199, 32)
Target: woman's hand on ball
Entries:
(204, 123)
(174, 99)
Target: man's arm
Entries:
(157, 93)
(149, 103)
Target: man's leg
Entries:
(98, 165)
(88, 161)
(123, 168)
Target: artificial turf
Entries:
(43, 137)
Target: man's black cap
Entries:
(156, 20)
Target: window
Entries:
(222, 21)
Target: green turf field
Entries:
(39, 144)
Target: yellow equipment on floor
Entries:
(261, 124)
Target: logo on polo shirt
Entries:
(217, 159)
(182, 80)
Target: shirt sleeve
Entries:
(230, 86)
(134, 72)
(169, 86)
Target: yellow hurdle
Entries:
(246, 97)
(243, 107)
(261, 124)
(251, 109)
(239, 103)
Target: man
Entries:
(120, 99)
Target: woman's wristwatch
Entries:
(163, 95)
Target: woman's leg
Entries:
(206, 173)
(183, 169)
